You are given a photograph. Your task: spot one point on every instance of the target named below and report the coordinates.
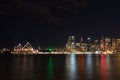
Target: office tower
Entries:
(81, 40)
(89, 44)
(96, 45)
(71, 44)
(102, 44)
(114, 45)
(118, 45)
(107, 43)
(83, 47)
(77, 46)
(67, 47)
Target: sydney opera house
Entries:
(26, 49)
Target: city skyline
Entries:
(104, 45)
(76, 39)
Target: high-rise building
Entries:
(107, 43)
(83, 47)
(114, 44)
(77, 46)
(118, 45)
(81, 40)
(71, 44)
(102, 44)
(96, 44)
(67, 47)
(89, 44)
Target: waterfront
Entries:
(60, 67)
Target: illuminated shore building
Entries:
(70, 46)
(81, 40)
(114, 44)
(83, 47)
(18, 47)
(89, 44)
(67, 47)
(96, 45)
(77, 45)
(118, 45)
(26, 49)
(102, 44)
(107, 44)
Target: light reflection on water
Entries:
(71, 66)
(60, 67)
(103, 69)
(89, 66)
(108, 66)
(23, 66)
(50, 68)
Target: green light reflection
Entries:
(50, 68)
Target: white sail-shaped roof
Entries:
(28, 46)
(19, 46)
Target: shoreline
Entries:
(56, 53)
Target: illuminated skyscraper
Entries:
(71, 44)
(114, 44)
(77, 46)
(81, 40)
(118, 45)
(102, 44)
(83, 47)
(96, 45)
(89, 44)
(107, 43)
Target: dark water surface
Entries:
(60, 67)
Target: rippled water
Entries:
(60, 67)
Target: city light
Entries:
(49, 49)
(105, 45)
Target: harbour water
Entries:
(60, 67)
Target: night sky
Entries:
(48, 23)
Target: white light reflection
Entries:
(89, 66)
(71, 66)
